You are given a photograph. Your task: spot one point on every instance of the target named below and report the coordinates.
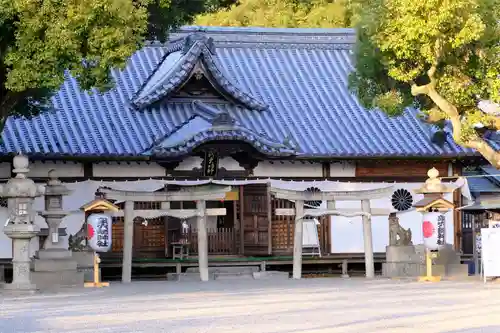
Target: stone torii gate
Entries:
(331, 197)
(199, 194)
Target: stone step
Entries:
(226, 269)
(54, 265)
(271, 275)
(402, 269)
(187, 276)
(233, 275)
(54, 254)
(194, 276)
(56, 280)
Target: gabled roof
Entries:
(300, 74)
(196, 57)
(210, 124)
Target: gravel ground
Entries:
(258, 306)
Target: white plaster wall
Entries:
(230, 163)
(343, 169)
(124, 169)
(68, 169)
(347, 233)
(190, 163)
(280, 169)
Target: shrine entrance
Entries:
(331, 197)
(256, 220)
(197, 194)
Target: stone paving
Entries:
(248, 306)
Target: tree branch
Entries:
(477, 143)
(9, 101)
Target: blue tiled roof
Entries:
(483, 184)
(210, 124)
(299, 74)
(179, 65)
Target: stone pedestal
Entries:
(402, 261)
(409, 261)
(450, 262)
(56, 268)
(85, 264)
(21, 235)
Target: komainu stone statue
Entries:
(398, 236)
(77, 242)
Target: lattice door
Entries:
(255, 219)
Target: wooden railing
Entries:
(221, 241)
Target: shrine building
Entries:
(244, 106)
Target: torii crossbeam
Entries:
(331, 197)
(200, 194)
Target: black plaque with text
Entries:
(210, 164)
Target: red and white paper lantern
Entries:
(99, 232)
(433, 228)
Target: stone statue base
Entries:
(448, 263)
(18, 288)
(55, 268)
(409, 261)
(402, 261)
(85, 264)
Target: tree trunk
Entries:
(451, 111)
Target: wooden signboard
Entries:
(210, 164)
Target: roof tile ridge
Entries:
(175, 48)
(188, 59)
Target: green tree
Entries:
(42, 39)
(441, 56)
(280, 14)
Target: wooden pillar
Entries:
(368, 241)
(242, 220)
(128, 240)
(269, 221)
(202, 240)
(297, 242)
(166, 205)
(330, 205)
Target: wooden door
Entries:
(255, 218)
(149, 240)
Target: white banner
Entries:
(99, 228)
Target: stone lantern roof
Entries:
(433, 184)
(55, 186)
(21, 186)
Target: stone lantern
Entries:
(54, 213)
(433, 207)
(20, 192)
(54, 265)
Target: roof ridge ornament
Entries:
(198, 37)
(223, 119)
